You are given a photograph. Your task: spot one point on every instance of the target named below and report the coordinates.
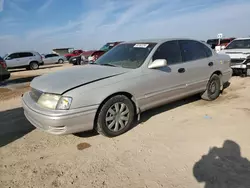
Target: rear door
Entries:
(55, 58)
(198, 64)
(25, 58)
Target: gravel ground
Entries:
(189, 143)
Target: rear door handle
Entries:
(210, 64)
(181, 70)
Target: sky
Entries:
(42, 25)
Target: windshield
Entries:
(128, 55)
(237, 44)
(107, 47)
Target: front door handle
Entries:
(181, 70)
(210, 64)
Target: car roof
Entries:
(157, 40)
(24, 52)
(244, 38)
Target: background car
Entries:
(73, 54)
(76, 60)
(52, 59)
(239, 52)
(131, 78)
(223, 42)
(4, 73)
(30, 60)
(98, 53)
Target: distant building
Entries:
(62, 51)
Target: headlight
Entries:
(53, 101)
(64, 103)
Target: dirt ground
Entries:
(189, 143)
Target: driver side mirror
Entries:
(8, 58)
(158, 63)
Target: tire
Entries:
(213, 88)
(34, 65)
(248, 72)
(116, 116)
(60, 61)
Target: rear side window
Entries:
(205, 48)
(192, 50)
(25, 54)
(48, 55)
(170, 51)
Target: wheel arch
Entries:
(33, 61)
(127, 94)
(219, 73)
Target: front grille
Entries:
(35, 94)
(236, 61)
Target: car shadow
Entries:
(86, 134)
(41, 67)
(226, 85)
(13, 125)
(223, 167)
(145, 116)
(20, 80)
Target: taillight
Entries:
(3, 64)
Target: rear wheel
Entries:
(213, 88)
(34, 65)
(60, 61)
(116, 116)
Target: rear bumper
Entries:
(71, 121)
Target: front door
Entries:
(12, 60)
(164, 84)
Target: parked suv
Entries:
(4, 74)
(30, 60)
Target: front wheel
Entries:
(116, 116)
(213, 88)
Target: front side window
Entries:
(13, 56)
(127, 55)
(191, 50)
(170, 51)
(239, 44)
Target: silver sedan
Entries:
(129, 79)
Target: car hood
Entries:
(64, 80)
(236, 53)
